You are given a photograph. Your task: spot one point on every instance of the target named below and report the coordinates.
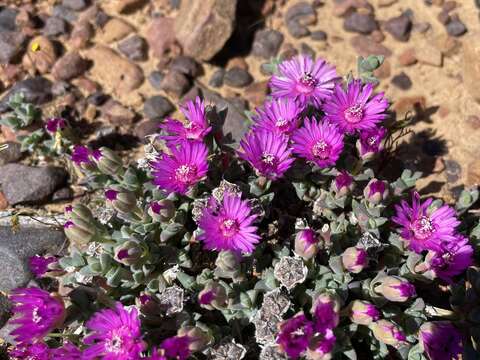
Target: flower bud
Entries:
(370, 143)
(80, 228)
(387, 332)
(228, 264)
(326, 311)
(81, 157)
(395, 288)
(108, 162)
(343, 184)
(41, 266)
(354, 259)
(122, 200)
(129, 252)
(306, 244)
(376, 191)
(213, 296)
(55, 124)
(162, 210)
(198, 338)
(363, 313)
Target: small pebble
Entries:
(297, 30)
(456, 28)
(402, 81)
(155, 79)
(216, 80)
(237, 77)
(319, 35)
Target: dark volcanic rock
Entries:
(155, 79)
(37, 90)
(11, 154)
(399, 27)
(266, 43)
(27, 184)
(175, 83)
(185, 65)
(157, 107)
(402, 81)
(11, 43)
(55, 26)
(8, 18)
(456, 28)
(302, 12)
(16, 246)
(360, 23)
(145, 128)
(237, 77)
(297, 30)
(134, 48)
(216, 80)
(319, 35)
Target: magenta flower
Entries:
(39, 265)
(451, 259)
(441, 340)
(343, 181)
(229, 228)
(81, 155)
(55, 124)
(371, 142)
(183, 169)
(305, 80)
(176, 347)
(425, 229)
(281, 116)
(67, 352)
(36, 313)
(321, 345)
(354, 109)
(115, 335)
(267, 152)
(320, 143)
(34, 351)
(195, 128)
(295, 335)
(325, 316)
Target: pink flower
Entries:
(39, 265)
(305, 80)
(229, 228)
(295, 335)
(183, 169)
(318, 142)
(281, 116)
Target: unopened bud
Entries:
(376, 191)
(129, 252)
(343, 184)
(228, 264)
(198, 338)
(395, 288)
(306, 244)
(213, 296)
(122, 200)
(363, 313)
(387, 333)
(108, 162)
(354, 259)
(80, 228)
(162, 210)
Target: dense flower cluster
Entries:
(292, 243)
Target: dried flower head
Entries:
(290, 271)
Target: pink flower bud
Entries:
(363, 312)
(354, 259)
(213, 296)
(306, 244)
(387, 332)
(343, 184)
(395, 288)
(162, 210)
(198, 338)
(376, 191)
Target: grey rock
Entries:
(453, 170)
(360, 23)
(238, 77)
(145, 128)
(266, 43)
(175, 83)
(37, 90)
(157, 107)
(155, 79)
(319, 35)
(11, 43)
(8, 17)
(297, 30)
(55, 26)
(456, 28)
(235, 124)
(399, 27)
(64, 13)
(402, 81)
(17, 246)
(69, 66)
(216, 80)
(11, 154)
(62, 194)
(76, 5)
(185, 65)
(27, 184)
(134, 48)
(302, 12)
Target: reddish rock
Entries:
(69, 66)
(117, 114)
(116, 29)
(161, 36)
(473, 122)
(3, 201)
(384, 71)
(41, 55)
(256, 93)
(203, 27)
(365, 46)
(407, 57)
(82, 33)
